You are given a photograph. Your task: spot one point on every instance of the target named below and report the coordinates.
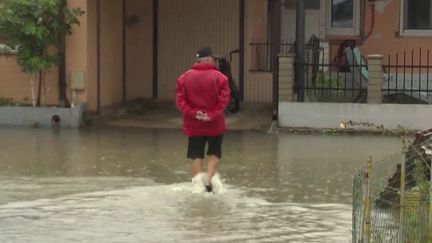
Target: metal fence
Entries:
(338, 72)
(340, 80)
(261, 55)
(408, 77)
(391, 197)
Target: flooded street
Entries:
(134, 185)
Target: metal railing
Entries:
(338, 72)
(408, 77)
(325, 81)
(261, 55)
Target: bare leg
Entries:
(196, 167)
(212, 166)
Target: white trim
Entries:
(353, 31)
(416, 33)
(411, 32)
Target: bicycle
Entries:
(225, 68)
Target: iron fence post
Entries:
(430, 200)
(300, 50)
(401, 199)
(367, 221)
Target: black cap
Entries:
(204, 52)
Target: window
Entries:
(416, 17)
(342, 14)
(343, 17)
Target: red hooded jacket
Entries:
(202, 88)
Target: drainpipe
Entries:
(372, 25)
(124, 49)
(98, 56)
(155, 48)
(275, 36)
(242, 48)
(300, 50)
(63, 102)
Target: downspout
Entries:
(363, 35)
(300, 50)
(124, 49)
(372, 26)
(63, 102)
(242, 49)
(275, 36)
(98, 56)
(155, 48)
(362, 20)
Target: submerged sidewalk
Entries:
(157, 114)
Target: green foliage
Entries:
(35, 27)
(329, 88)
(5, 101)
(11, 102)
(415, 204)
(325, 81)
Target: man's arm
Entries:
(223, 99)
(182, 100)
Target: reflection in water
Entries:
(134, 186)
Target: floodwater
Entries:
(132, 185)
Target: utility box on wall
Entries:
(77, 81)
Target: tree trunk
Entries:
(32, 91)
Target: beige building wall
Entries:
(139, 39)
(91, 57)
(81, 52)
(258, 85)
(77, 49)
(111, 59)
(16, 85)
(185, 26)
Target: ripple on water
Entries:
(171, 213)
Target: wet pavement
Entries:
(117, 184)
(151, 114)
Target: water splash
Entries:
(197, 185)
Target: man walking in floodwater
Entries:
(202, 94)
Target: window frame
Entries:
(411, 32)
(340, 31)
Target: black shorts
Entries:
(196, 146)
